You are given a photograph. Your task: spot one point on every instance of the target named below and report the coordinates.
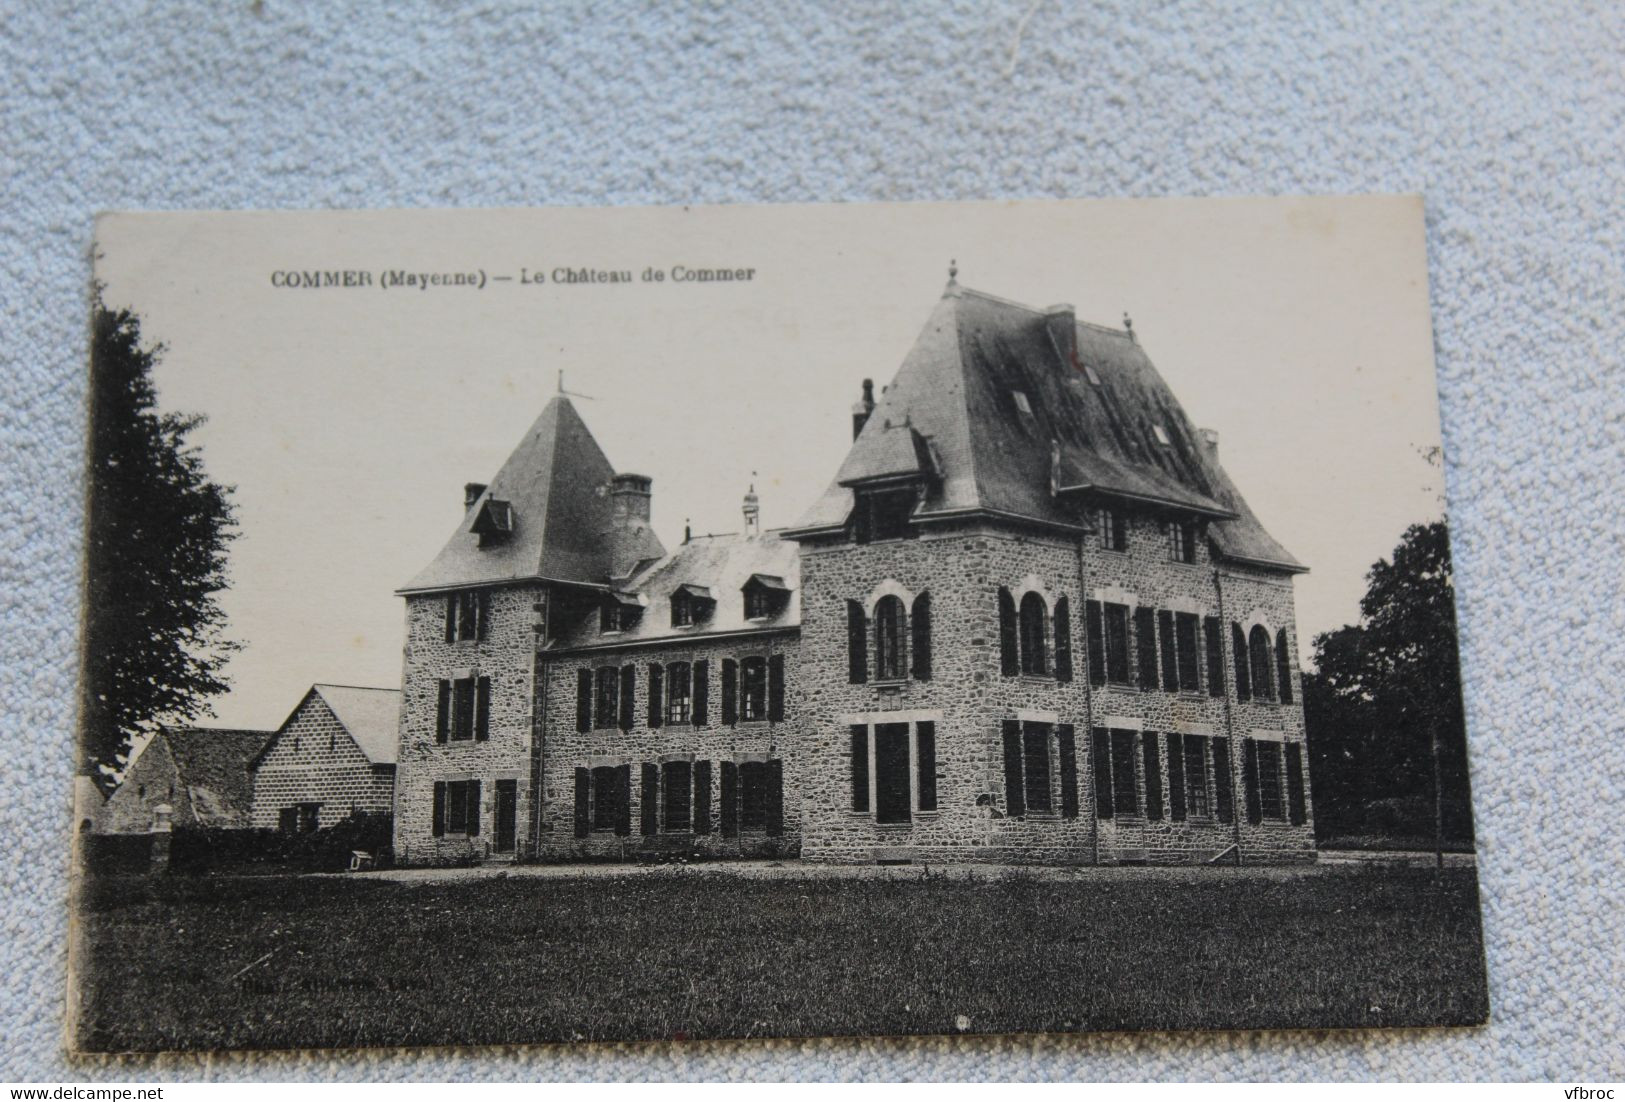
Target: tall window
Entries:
(608, 697)
(457, 807)
(1035, 766)
(1117, 664)
(678, 783)
(605, 796)
(1197, 797)
(880, 762)
(1185, 638)
(883, 515)
(1113, 530)
(466, 614)
(1034, 654)
(1283, 667)
(753, 795)
(889, 664)
(1182, 542)
(1125, 793)
(463, 711)
(1259, 660)
(753, 688)
(678, 700)
(1269, 780)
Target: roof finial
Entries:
(561, 380)
(688, 533)
(1128, 325)
(953, 270)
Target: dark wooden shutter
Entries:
(1176, 777)
(649, 798)
(702, 797)
(1215, 657)
(702, 693)
(482, 709)
(451, 617)
(1170, 654)
(775, 688)
(1009, 660)
(775, 798)
(1283, 667)
(1100, 765)
(629, 689)
(1238, 647)
(1153, 775)
(439, 808)
(860, 767)
(442, 713)
(857, 644)
(1015, 799)
(1223, 805)
(473, 808)
(1066, 739)
(730, 692)
(1145, 641)
(1063, 640)
(623, 800)
(1296, 811)
(1097, 642)
(920, 626)
(583, 700)
(730, 800)
(925, 747)
(1249, 777)
(583, 812)
(657, 694)
(482, 604)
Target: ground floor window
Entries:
(1035, 755)
(893, 768)
(603, 800)
(299, 818)
(457, 807)
(1264, 763)
(677, 783)
(1198, 801)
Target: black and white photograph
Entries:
(621, 624)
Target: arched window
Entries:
(1283, 667)
(889, 664)
(1034, 648)
(677, 693)
(1258, 655)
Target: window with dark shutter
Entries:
(623, 801)
(1238, 648)
(889, 617)
(583, 803)
(1223, 805)
(1100, 765)
(730, 692)
(462, 709)
(1259, 663)
(657, 694)
(609, 679)
(1009, 659)
(439, 826)
(730, 800)
(679, 787)
(857, 644)
(1196, 775)
(753, 797)
(1270, 805)
(456, 807)
(1153, 775)
(774, 825)
(702, 797)
(1117, 653)
(1176, 778)
(1015, 804)
(649, 799)
(1063, 640)
(1185, 641)
(925, 757)
(1035, 769)
(753, 689)
(702, 693)
(1096, 631)
(442, 713)
(473, 808)
(920, 628)
(775, 688)
(1067, 751)
(860, 767)
(583, 700)
(482, 614)
(1034, 628)
(1283, 668)
(1125, 791)
(1215, 657)
(629, 682)
(1297, 813)
(678, 688)
(1249, 780)
(482, 709)
(603, 797)
(1170, 652)
(1145, 640)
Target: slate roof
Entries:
(556, 486)
(372, 716)
(717, 566)
(212, 766)
(953, 404)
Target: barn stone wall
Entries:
(151, 781)
(314, 760)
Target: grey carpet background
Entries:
(1508, 118)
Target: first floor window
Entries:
(753, 689)
(1182, 542)
(608, 697)
(466, 614)
(889, 664)
(457, 807)
(1260, 662)
(464, 710)
(677, 693)
(1117, 665)
(1113, 530)
(1034, 619)
(1185, 640)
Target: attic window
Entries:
(765, 596)
(1161, 434)
(494, 523)
(1021, 402)
(617, 613)
(689, 605)
(883, 515)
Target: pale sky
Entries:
(349, 419)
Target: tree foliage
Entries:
(1381, 691)
(157, 530)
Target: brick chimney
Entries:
(471, 494)
(629, 496)
(864, 407)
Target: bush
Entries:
(195, 849)
(110, 854)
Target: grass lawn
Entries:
(272, 962)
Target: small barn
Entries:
(199, 773)
(335, 754)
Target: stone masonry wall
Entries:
(314, 760)
(151, 781)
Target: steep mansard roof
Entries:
(1093, 407)
(555, 486)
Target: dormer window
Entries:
(690, 604)
(765, 596)
(494, 522)
(618, 613)
(883, 515)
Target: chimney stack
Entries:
(1062, 322)
(631, 540)
(1210, 437)
(864, 407)
(471, 494)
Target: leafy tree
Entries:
(156, 535)
(1384, 693)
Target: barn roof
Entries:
(1008, 410)
(372, 716)
(212, 766)
(544, 515)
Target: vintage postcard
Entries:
(721, 622)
